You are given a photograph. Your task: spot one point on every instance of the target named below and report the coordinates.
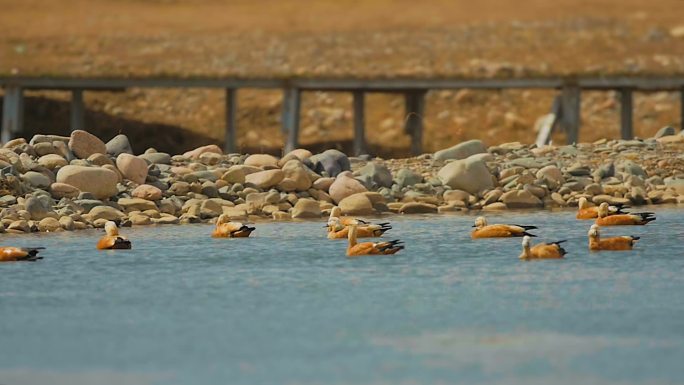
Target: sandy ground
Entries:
(335, 38)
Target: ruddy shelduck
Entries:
(584, 211)
(614, 243)
(604, 219)
(225, 228)
(11, 254)
(355, 249)
(113, 240)
(551, 250)
(483, 230)
(336, 230)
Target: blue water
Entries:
(287, 307)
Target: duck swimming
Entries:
(483, 230)
(551, 250)
(336, 230)
(614, 243)
(605, 219)
(355, 249)
(225, 228)
(584, 211)
(112, 240)
(12, 254)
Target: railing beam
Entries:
(359, 123)
(12, 113)
(230, 139)
(626, 114)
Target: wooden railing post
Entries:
(290, 120)
(77, 111)
(230, 140)
(570, 112)
(415, 108)
(626, 105)
(359, 123)
(12, 113)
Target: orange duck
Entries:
(336, 230)
(355, 249)
(483, 230)
(614, 243)
(551, 250)
(225, 228)
(112, 240)
(11, 254)
(584, 211)
(605, 219)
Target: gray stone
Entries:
(665, 131)
(378, 174)
(306, 208)
(39, 207)
(156, 157)
(36, 180)
(119, 145)
(462, 150)
(471, 175)
(332, 162)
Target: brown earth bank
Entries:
(55, 183)
(374, 38)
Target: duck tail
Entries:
(32, 253)
(526, 227)
(528, 234)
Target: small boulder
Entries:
(262, 160)
(471, 175)
(38, 207)
(195, 154)
(665, 131)
(146, 191)
(132, 168)
(520, 199)
(344, 186)
(332, 162)
(84, 144)
(96, 180)
(306, 208)
(119, 145)
(136, 204)
(407, 177)
(104, 212)
(52, 161)
(296, 177)
(378, 174)
(63, 190)
(36, 179)
(265, 179)
(49, 224)
(461, 150)
(357, 204)
(417, 208)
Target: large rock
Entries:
(36, 179)
(265, 179)
(119, 145)
(39, 207)
(98, 181)
(132, 168)
(136, 204)
(262, 160)
(52, 161)
(84, 144)
(418, 208)
(357, 204)
(407, 177)
(552, 175)
(344, 186)
(146, 191)
(104, 212)
(63, 190)
(470, 174)
(49, 224)
(378, 174)
(195, 154)
(520, 199)
(156, 157)
(306, 208)
(332, 162)
(296, 177)
(461, 150)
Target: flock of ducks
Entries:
(340, 227)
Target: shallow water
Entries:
(287, 307)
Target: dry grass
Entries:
(386, 38)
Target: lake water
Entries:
(287, 307)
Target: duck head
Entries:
(111, 229)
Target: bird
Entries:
(112, 239)
(225, 228)
(551, 250)
(604, 219)
(11, 254)
(483, 230)
(584, 211)
(355, 249)
(625, 242)
(336, 212)
(336, 230)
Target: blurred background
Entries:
(339, 38)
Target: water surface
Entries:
(287, 307)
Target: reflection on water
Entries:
(287, 307)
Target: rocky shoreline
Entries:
(56, 183)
